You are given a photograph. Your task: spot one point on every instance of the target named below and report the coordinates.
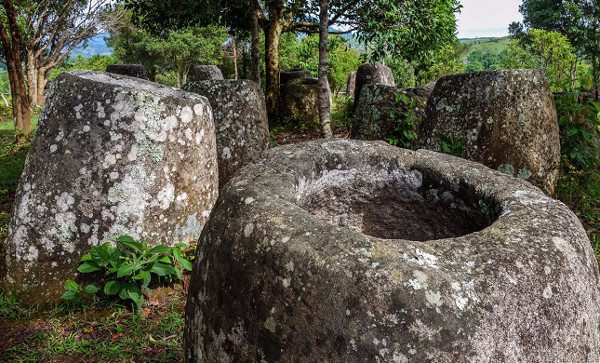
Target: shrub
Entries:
(129, 268)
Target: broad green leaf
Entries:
(101, 254)
(165, 259)
(160, 250)
(130, 243)
(69, 295)
(162, 269)
(112, 287)
(91, 289)
(147, 279)
(71, 285)
(88, 266)
(126, 269)
(185, 264)
(86, 257)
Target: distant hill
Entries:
(95, 46)
(486, 45)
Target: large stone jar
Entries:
(503, 119)
(359, 251)
(112, 155)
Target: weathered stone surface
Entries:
(293, 74)
(386, 111)
(112, 155)
(204, 72)
(372, 74)
(241, 123)
(352, 251)
(351, 84)
(132, 70)
(300, 101)
(504, 119)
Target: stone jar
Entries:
(354, 251)
(112, 155)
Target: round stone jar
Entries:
(360, 251)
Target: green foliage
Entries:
(303, 52)
(403, 71)
(550, 51)
(579, 123)
(78, 293)
(129, 268)
(12, 161)
(11, 307)
(578, 20)
(170, 53)
(446, 60)
(94, 63)
(99, 333)
(407, 120)
(483, 61)
(579, 184)
(451, 145)
(407, 29)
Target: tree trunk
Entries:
(234, 57)
(12, 54)
(324, 91)
(20, 100)
(255, 64)
(595, 77)
(272, 37)
(42, 79)
(32, 78)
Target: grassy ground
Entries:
(99, 332)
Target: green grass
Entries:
(102, 332)
(12, 160)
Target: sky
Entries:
(487, 18)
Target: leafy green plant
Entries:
(579, 183)
(579, 123)
(75, 292)
(451, 145)
(406, 118)
(129, 268)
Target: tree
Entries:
(42, 34)
(13, 47)
(411, 30)
(54, 28)
(273, 17)
(549, 50)
(189, 46)
(578, 20)
(174, 52)
(324, 90)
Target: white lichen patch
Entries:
(248, 229)
(422, 258)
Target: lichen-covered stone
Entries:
(384, 112)
(132, 70)
(293, 74)
(112, 155)
(372, 74)
(504, 119)
(204, 72)
(300, 101)
(351, 84)
(241, 123)
(353, 251)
